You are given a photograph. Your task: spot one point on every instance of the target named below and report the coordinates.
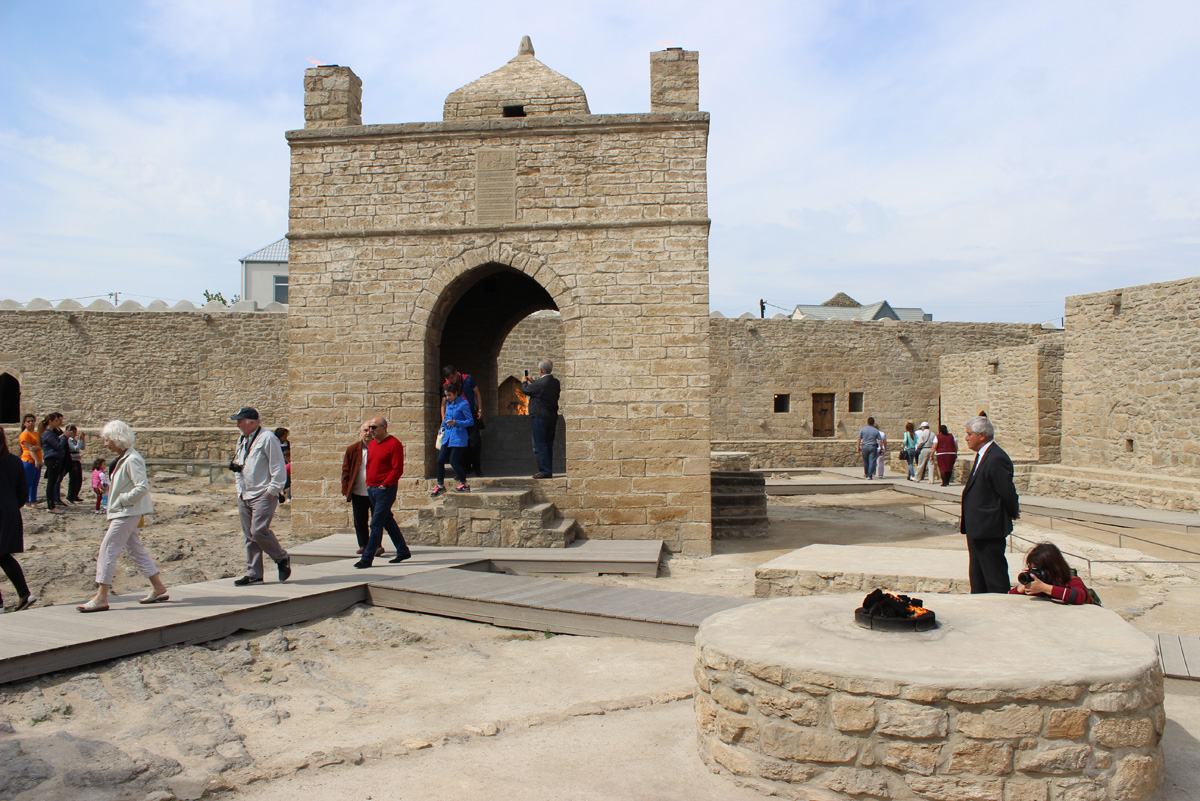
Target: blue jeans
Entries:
(33, 474)
(382, 499)
(869, 453)
(543, 430)
(455, 454)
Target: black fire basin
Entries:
(924, 622)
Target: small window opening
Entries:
(856, 401)
(783, 404)
(281, 289)
(514, 111)
(1129, 446)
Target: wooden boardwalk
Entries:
(1179, 655)
(47, 639)
(595, 557)
(563, 607)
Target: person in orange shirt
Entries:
(31, 455)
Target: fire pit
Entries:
(796, 700)
(883, 611)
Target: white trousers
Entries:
(122, 534)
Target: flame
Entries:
(917, 611)
(315, 63)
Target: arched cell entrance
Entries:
(10, 399)
(474, 316)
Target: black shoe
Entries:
(246, 581)
(400, 558)
(541, 475)
(285, 569)
(362, 563)
(26, 602)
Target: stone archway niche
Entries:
(1011, 699)
(472, 319)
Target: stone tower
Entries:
(420, 244)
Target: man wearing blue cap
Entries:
(261, 474)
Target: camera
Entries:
(1026, 576)
(234, 466)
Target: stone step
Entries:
(1097, 490)
(543, 513)
(740, 504)
(739, 527)
(1160, 480)
(499, 499)
(562, 532)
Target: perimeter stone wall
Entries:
(1131, 379)
(1019, 388)
(180, 373)
(895, 366)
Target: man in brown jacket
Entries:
(354, 487)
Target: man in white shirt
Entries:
(261, 474)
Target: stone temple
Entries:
(420, 244)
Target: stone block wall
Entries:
(1020, 389)
(611, 224)
(894, 365)
(180, 373)
(539, 335)
(1131, 379)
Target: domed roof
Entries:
(524, 87)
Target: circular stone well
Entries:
(1010, 699)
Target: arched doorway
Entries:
(474, 317)
(10, 399)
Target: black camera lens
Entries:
(235, 467)
(1025, 577)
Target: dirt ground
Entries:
(377, 704)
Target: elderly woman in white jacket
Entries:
(128, 501)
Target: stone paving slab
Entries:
(817, 569)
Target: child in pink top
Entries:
(99, 483)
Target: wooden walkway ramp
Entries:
(1179, 655)
(563, 607)
(52, 638)
(624, 557)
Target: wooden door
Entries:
(822, 414)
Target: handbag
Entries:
(437, 443)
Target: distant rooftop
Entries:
(276, 251)
(843, 307)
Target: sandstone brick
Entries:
(1124, 733)
(1137, 778)
(851, 712)
(1067, 724)
(1064, 759)
(859, 782)
(786, 741)
(1008, 721)
(731, 700)
(945, 789)
(1018, 789)
(982, 758)
(911, 721)
(910, 757)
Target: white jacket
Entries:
(128, 488)
(263, 468)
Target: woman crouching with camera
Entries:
(128, 502)
(1047, 574)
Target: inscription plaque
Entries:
(495, 185)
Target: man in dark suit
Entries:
(989, 505)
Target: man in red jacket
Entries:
(385, 466)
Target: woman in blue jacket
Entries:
(454, 439)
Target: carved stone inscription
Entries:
(495, 185)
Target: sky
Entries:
(981, 160)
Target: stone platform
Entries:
(817, 569)
(1010, 699)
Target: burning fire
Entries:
(885, 604)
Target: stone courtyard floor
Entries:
(377, 704)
